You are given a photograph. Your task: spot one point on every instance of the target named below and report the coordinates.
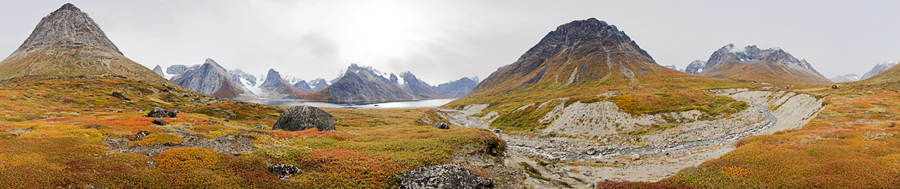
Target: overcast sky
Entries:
(440, 41)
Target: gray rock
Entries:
(260, 127)
(159, 112)
(176, 69)
(283, 171)
(159, 121)
(141, 134)
(120, 96)
(441, 125)
(451, 175)
(300, 118)
(159, 71)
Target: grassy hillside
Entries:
(56, 132)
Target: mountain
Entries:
(241, 77)
(696, 67)
(274, 82)
(574, 53)
(68, 43)
(670, 66)
(416, 87)
(291, 79)
(209, 78)
(176, 69)
(456, 89)
(880, 67)
(159, 71)
(763, 65)
(318, 84)
(365, 84)
(302, 85)
(845, 78)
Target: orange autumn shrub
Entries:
(314, 132)
(184, 159)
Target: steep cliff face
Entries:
(159, 71)
(762, 65)
(69, 43)
(209, 78)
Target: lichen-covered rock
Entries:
(451, 175)
(159, 112)
(120, 96)
(441, 125)
(140, 135)
(300, 118)
(159, 121)
(283, 171)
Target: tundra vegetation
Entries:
(53, 133)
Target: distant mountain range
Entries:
(763, 65)
(880, 67)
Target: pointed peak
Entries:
(68, 7)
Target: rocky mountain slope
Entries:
(69, 43)
(159, 71)
(209, 78)
(275, 82)
(318, 84)
(880, 67)
(695, 67)
(845, 78)
(176, 69)
(240, 77)
(762, 65)
(456, 89)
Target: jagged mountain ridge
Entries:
(365, 85)
(880, 67)
(68, 43)
(695, 67)
(209, 78)
(763, 65)
(318, 84)
(274, 82)
(159, 71)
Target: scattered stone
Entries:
(441, 125)
(300, 118)
(283, 171)
(140, 135)
(159, 121)
(159, 112)
(20, 130)
(635, 157)
(260, 127)
(120, 111)
(834, 86)
(451, 175)
(120, 96)
(893, 125)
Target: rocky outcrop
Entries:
(210, 78)
(68, 43)
(120, 96)
(763, 65)
(158, 121)
(441, 125)
(451, 175)
(283, 171)
(880, 67)
(159, 112)
(845, 78)
(456, 89)
(176, 69)
(695, 67)
(300, 118)
(159, 71)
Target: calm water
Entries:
(406, 104)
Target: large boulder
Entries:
(283, 171)
(451, 175)
(441, 125)
(159, 112)
(300, 118)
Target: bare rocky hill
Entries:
(763, 65)
(210, 78)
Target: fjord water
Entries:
(405, 104)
